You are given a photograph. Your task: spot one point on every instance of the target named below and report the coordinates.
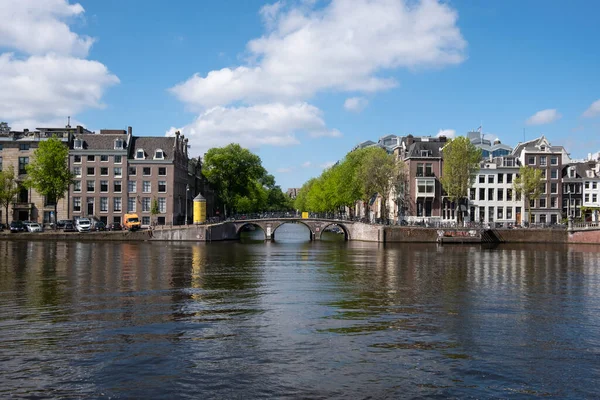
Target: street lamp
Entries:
(187, 189)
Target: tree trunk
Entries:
(7, 205)
(55, 214)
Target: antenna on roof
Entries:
(68, 122)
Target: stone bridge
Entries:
(352, 230)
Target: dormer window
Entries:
(139, 154)
(159, 154)
(119, 144)
(424, 153)
(78, 144)
(543, 148)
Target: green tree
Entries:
(461, 163)
(49, 173)
(232, 171)
(4, 128)
(8, 188)
(529, 185)
(380, 173)
(154, 210)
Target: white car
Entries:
(83, 225)
(34, 227)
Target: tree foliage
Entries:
(241, 182)
(461, 163)
(8, 189)
(529, 185)
(48, 172)
(360, 175)
(4, 128)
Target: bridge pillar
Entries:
(269, 231)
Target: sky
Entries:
(301, 82)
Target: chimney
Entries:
(25, 130)
(409, 140)
(129, 130)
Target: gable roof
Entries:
(93, 141)
(150, 144)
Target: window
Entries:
(594, 198)
(531, 160)
(553, 202)
(139, 154)
(420, 170)
(78, 144)
(91, 158)
(145, 220)
(103, 186)
(146, 204)
(472, 194)
(587, 185)
(542, 218)
(24, 146)
(162, 186)
(553, 187)
(542, 203)
(90, 186)
(553, 160)
(77, 171)
(117, 219)
(118, 144)
(118, 159)
(117, 186)
(500, 213)
(481, 178)
(509, 194)
(509, 178)
(131, 186)
(147, 171)
(424, 153)
(509, 212)
(500, 195)
(162, 205)
(117, 204)
(490, 178)
(161, 220)
(159, 155)
(1, 146)
(543, 174)
(500, 178)
(429, 169)
(131, 204)
(587, 198)
(77, 204)
(132, 171)
(76, 159)
(481, 194)
(425, 186)
(491, 214)
(544, 187)
(23, 162)
(118, 172)
(104, 158)
(554, 174)
(103, 204)
(91, 171)
(162, 171)
(543, 161)
(532, 203)
(594, 185)
(77, 186)
(490, 194)
(146, 187)
(104, 171)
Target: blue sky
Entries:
(301, 82)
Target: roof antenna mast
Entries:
(69, 121)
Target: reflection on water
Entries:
(304, 319)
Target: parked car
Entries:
(61, 223)
(69, 227)
(115, 226)
(2, 227)
(34, 227)
(17, 226)
(83, 225)
(98, 226)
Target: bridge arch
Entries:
(341, 225)
(311, 230)
(255, 224)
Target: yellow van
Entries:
(131, 222)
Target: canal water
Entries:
(298, 319)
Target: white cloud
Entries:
(42, 87)
(306, 164)
(47, 76)
(355, 104)
(593, 110)
(449, 133)
(284, 170)
(254, 126)
(543, 117)
(344, 46)
(38, 27)
(328, 164)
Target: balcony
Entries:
(22, 206)
(425, 175)
(425, 188)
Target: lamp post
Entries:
(187, 189)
